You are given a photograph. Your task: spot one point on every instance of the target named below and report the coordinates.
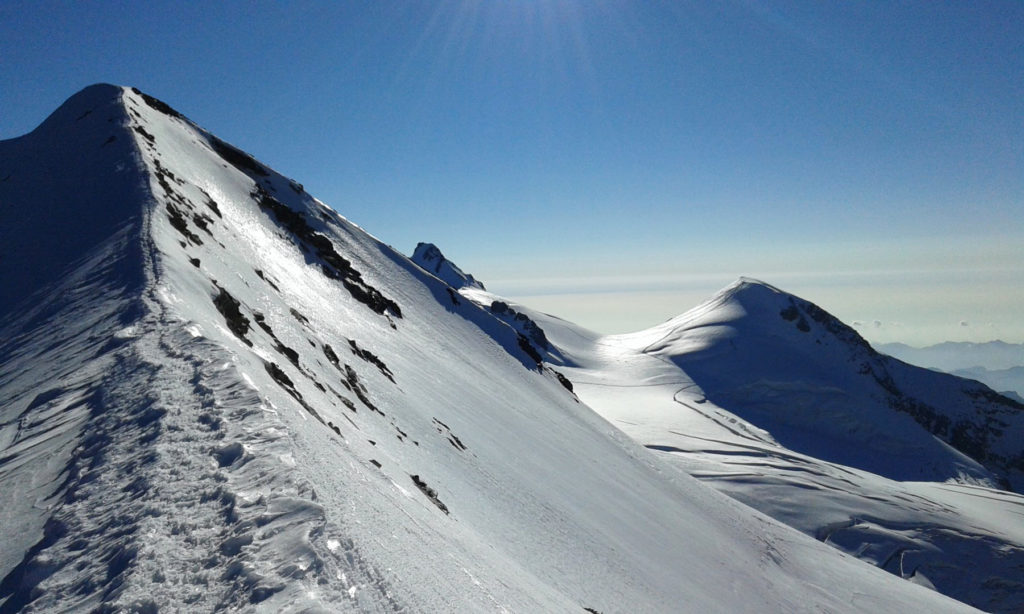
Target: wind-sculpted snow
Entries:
(821, 389)
(752, 391)
(230, 398)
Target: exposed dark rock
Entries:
(429, 492)
(291, 354)
(286, 383)
(524, 345)
(178, 222)
(238, 158)
(563, 380)
(352, 381)
(261, 321)
(229, 307)
(142, 131)
(159, 105)
(446, 431)
(331, 356)
(203, 222)
(430, 258)
(175, 203)
(298, 316)
(345, 401)
(262, 276)
(522, 323)
(371, 297)
(792, 313)
(369, 357)
(211, 204)
(333, 265)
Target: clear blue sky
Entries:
(612, 162)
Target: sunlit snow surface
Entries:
(787, 399)
(222, 396)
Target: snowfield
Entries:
(769, 400)
(217, 394)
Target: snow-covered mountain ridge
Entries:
(217, 394)
(823, 354)
(773, 401)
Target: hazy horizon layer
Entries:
(901, 307)
(864, 155)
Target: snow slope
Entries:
(217, 394)
(795, 423)
(786, 363)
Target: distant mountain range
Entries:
(997, 364)
(218, 394)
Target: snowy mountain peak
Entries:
(744, 283)
(770, 399)
(759, 299)
(777, 359)
(429, 256)
(67, 186)
(223, 396)
(94, 98)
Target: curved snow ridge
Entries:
(765, 355)
(300, 419)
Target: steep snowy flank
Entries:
(787, 365)
(227, 397)
(737, 393)
(66, 188)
